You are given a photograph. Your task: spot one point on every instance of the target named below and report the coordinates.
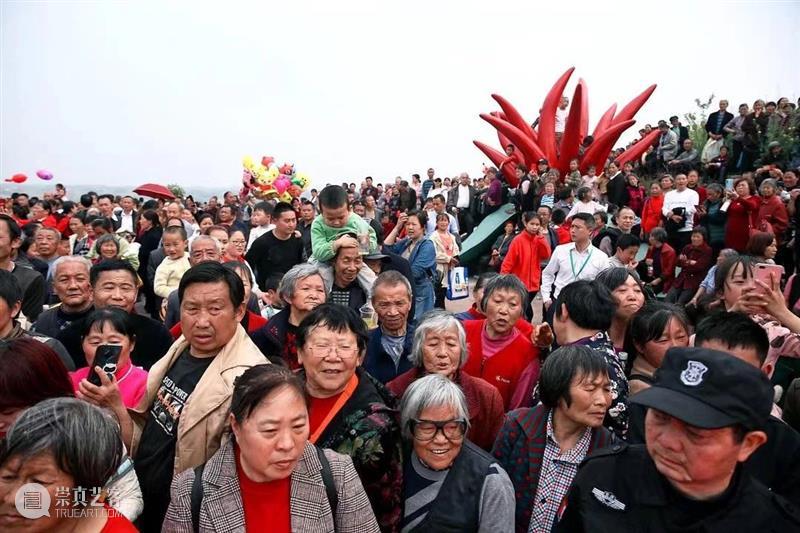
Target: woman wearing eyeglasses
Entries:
(349, 411)
(449, 484)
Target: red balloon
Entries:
(17, 178)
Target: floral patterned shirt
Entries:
(617, 416)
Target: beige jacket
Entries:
(204, 420)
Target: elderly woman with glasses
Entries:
(440, 347)
(449, 483)
(47, 446)
(498, 351)
(349, 411)
(301, 290)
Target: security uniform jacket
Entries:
(619, 489)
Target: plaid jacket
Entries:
(519, 449)
(221, 508)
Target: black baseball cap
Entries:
(542, 162)
(709, 389)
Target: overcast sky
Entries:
(129, 92)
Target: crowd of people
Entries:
(630, 360)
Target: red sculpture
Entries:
(530, 145)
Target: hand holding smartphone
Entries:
(106, 357)
(766, 273)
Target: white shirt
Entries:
(688, 199)
(590, 208)
(126, 222)
(430, 227)
(440, 190)
(463, 197)
(561, 120)
(257, 232)
(585, 265)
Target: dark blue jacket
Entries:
(379, 364)
(422, 260)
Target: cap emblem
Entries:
(693, 374)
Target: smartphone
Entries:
(728, 184)
(765, 271)
(105, 357)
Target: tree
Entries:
(177, 190)
(696, 123)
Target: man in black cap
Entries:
(707, 411)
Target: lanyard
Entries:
(346, 394)
(572, 263)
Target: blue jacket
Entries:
(422, 259)
(379, 364)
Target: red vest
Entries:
(504, 368)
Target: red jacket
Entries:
(772, 211)
(692, 275)
(668, 260)
(563, 233)
(503, 369)
(524, 258)
(651, 213)
(741, 218)
(484, 404)
(254, 322)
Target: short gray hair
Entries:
(659, 234)
(391, 278)
(205, 238)
(84, 440)
(769, 182)
(296, 273)
(432, 321)
(505, 282)
(71, 259)
(432, 390)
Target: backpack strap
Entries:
(330, 485)
(197, 497)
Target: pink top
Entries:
(132, 382)
(492, 346)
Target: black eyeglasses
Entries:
(426, 430)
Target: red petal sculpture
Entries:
(533, 145)
(605, 121)
(570, 143)
(638, 148)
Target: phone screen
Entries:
(729, 184)
(105, 357)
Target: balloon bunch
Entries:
(531, 145)
(266, 180)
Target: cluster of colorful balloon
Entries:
(45, 175)
(266, 180)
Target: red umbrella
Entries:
(154, 190)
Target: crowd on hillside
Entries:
(246, 364)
